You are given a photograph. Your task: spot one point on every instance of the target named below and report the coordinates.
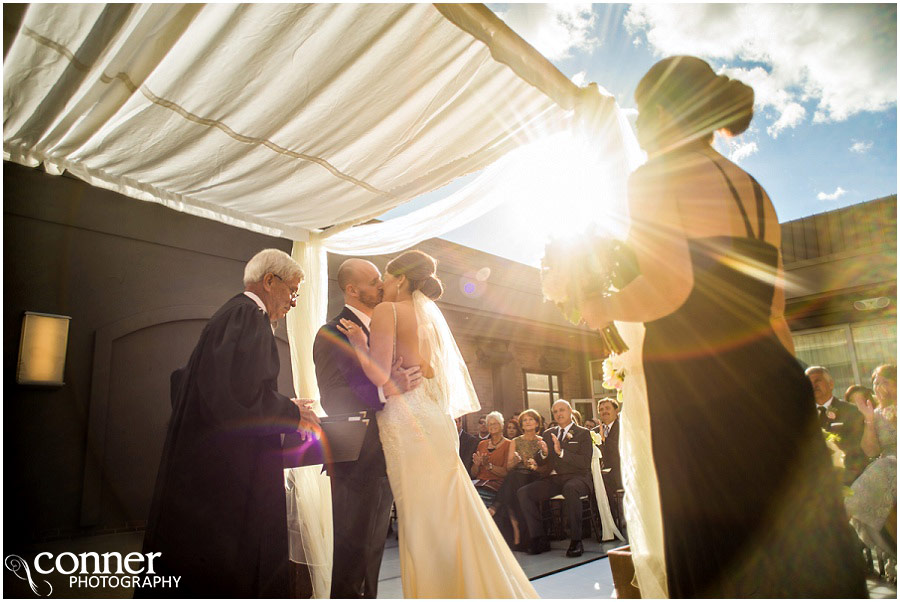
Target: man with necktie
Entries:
(567, 450)
(840, 418)
(608, 411)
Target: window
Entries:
(541, 390)
(850, 352)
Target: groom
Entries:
(360, 494)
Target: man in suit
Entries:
(840, 418)
(608, 429)
(468, 443)
(567, 450)
(218, 514)
(360, 493)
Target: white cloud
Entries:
(579, 78)
(842, 58)
(824, 196)
(791, 115)
(861, 146)
(742, 151)
(740, 147)
(553, 29)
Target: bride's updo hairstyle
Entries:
(700, 101)
(419, 269)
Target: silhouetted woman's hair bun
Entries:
(699, 100)
(419, 269)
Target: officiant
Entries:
(218, 515)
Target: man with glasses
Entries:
(218, 515)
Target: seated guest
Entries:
(608, 410)
(468, 443)
(489, 460)
(840, 418)
(589, 424)
(576, 416)
(523, 469)
(874, 497)
(482, 429)
(512, 429)
(567, 451)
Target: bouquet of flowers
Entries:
(586, 265)
(614, 374)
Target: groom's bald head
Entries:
(360, 281)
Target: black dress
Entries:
(751, 505)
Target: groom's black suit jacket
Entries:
(344, 388)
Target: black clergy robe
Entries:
(218, 516)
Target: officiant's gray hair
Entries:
(271, 260)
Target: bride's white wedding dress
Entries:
(449, 544)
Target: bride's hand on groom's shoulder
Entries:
(353, 332)
(402, 379)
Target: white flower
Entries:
(613, 372)
(554, 285)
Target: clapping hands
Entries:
(556, 446)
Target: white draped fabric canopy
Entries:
(304, 122)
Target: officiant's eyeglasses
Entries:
(294, 294)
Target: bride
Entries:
(449, 544)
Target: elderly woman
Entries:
(522, 470)
(490, 459)
(874, 497)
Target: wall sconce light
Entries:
(42, 349)
(870, 304)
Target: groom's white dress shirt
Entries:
(366, 320)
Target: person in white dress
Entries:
(449, 545)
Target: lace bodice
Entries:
(527, 449)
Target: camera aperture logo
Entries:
(91, 570)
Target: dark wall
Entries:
(139, 281)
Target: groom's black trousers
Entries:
(362, 512)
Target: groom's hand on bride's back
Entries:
(402, 379)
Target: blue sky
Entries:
(825, 75)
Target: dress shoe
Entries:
(519, 547)
(575, 549)
(539, 545)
